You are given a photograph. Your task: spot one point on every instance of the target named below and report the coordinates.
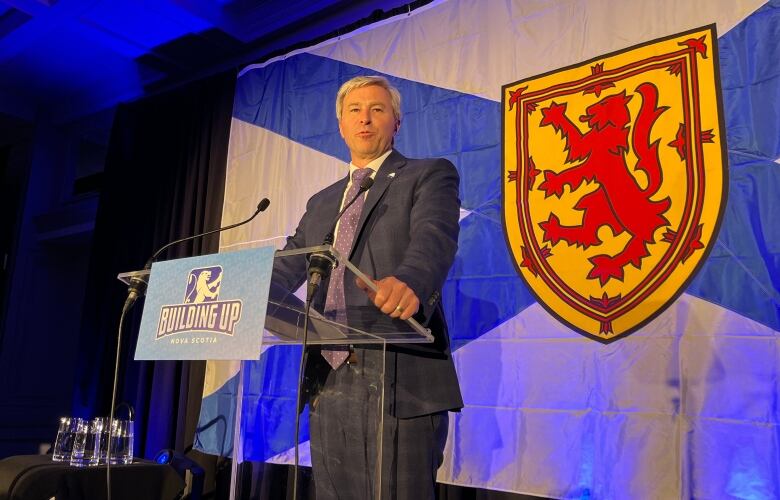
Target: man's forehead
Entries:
(370, 102)
(369, 93)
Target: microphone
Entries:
(321, 263)
(137, 285)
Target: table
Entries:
(37, 477)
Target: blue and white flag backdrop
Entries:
(685, 407)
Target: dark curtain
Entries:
(163, 180)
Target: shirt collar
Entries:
(373, 164)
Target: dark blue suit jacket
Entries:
(408, 229)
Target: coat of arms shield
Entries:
(614, 180)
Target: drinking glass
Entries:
(100, 440)
(83, 443)
(121, 442)
(63, 444)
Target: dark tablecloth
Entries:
(37, 477)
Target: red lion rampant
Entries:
(619, 202)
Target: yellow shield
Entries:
(614, 180)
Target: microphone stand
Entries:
(320, 266)
(136, 289)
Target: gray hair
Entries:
(366, 81)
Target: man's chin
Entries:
(367, 156)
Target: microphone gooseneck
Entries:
(321, 263)
(137, 286)
(260, 208)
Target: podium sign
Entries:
(208, 307)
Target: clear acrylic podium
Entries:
(364, 327)
(270, 383)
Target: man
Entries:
(403, 232)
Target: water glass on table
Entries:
(63, 444)
(121, 442)
(83, 444)
(100, 438)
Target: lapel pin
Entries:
(391, 175)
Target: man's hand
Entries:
(393, 297)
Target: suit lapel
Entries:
(382, 180)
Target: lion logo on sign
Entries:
(201, 287)
(620, 202)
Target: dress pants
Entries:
(347, 429)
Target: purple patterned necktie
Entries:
(335, 355)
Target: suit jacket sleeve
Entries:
(434, 234)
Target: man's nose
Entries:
(365, 117)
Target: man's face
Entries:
(367, 123)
